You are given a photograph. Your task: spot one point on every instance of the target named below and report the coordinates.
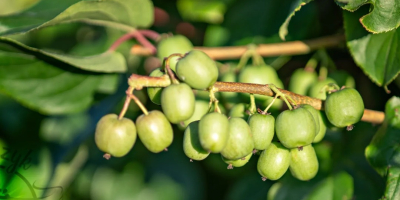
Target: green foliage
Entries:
(108, 62)
(118, 14)
(383, 152)
(376, 54)
(296, 6)
(384, 15)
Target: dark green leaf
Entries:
(376, 54)
(384, 150)
(392, 191)
(296, 6)
(38, 14)
(46, 87)
(105, 62)
(385, 14)
(120, 14)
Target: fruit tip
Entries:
(349, 127)
(263, 178)
(230, 166)
(107, 156)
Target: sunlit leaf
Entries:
(120, 14)
(383, 16)
(376, 54)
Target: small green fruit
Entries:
(238, 162)
(239, 110)
(274, 161)
(175, 44)
(115, 136)
(240, 141)
(177, 102)
(263, 74)
(262, 127)
(154, 93)
(343, 78)
(197, 69)
(200, 109)
(323, 121)
(154, 131)
(301, 81)
(315, 114)
(295, 128)
(191, 142)
(344, 107)
(304, 163)
(214, 132)
(317, 89)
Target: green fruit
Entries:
(197, 69)
(262, 127)
(200, 109)
(154, 93)
(175, 44)
(177, 102)
(154, 131)
(214, 132)
(239, 110)
(344, 107)
(315, 114)
(295, 128)
(322, 128)
(301, 81)
(232, 98)
(343, 78)
(115, 136)
(191, 142)
(303, 163)
(238, 162)
(317, 89)
(240, 141)
(274, 161)
(263, 74)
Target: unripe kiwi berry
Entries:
(114, 136)
(197, 69)
(174, 44)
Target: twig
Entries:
(138, 36)
(138, 81)
(265, 50)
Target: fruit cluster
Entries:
(283, 143)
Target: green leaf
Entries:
(105, 62)
(384, 150)
(121, 14)
(376, 54)
(33, 17)
(392, 191)
(385, 14)
(296, 6)
(48, 88)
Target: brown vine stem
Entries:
(265, 50)
(139, 81)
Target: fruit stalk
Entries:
(138, 36)
(139, 81)
(168, 69)
(276, 49)
(129, 96)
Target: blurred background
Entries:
(56, 156)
